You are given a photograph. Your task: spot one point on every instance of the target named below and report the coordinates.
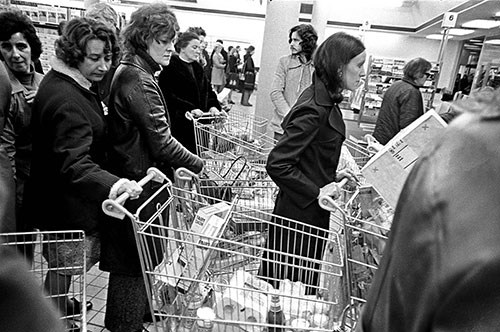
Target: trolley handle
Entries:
(327, 202)
(114, 207)
(205, 115)
(184, 174)
(373, 145)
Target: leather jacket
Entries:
(441, 265)
(139, 124)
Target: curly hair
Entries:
(71, 46)
(416, 67)
(183, 40)
(103, 12)
(149, 22)
(14, 21)
(332, 56)
(309, 38)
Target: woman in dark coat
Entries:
(187, 89)
(304, 162)
(68, 179)
(248, 84)
(140, 138)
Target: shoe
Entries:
(77, 307)
(159, 315)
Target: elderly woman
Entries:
(140, 138)
(187, 89)
(20, 47)
(304, 162)
(402, 103)
(69, 153)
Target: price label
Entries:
(403, 154)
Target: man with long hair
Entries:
(293, 74)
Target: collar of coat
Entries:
(296, 61)
(61, 67)
(17, 86)
(142, 60)
(323, 97)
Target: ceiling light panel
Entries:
(459, 32)
(481, 24)
(493, 42)
(437, 36)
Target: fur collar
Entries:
(61, 67)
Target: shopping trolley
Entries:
(213, 255)
(38, 249)
(366, 221)
(218, 137)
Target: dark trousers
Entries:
(245, 96)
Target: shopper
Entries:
(140, 138)
(232, 81)
(218, 78)
(293, 74)
(186, 89)
(304, 162)
(68, 180)
(20, 47)
(402, 102)
(7, 185)
(441, 264)
(248, 70)
(204, 58)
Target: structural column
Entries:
(281, 15)
(320, 14)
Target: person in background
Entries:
(304, 161)
(70, 155)
(402, 102)
(20, 47)
(187, 89)
(218, 78)
(104, 13)
(204, 57)
(232, 73)
(60, 27)
(248, 84)
(222, 51)
(446, 226)
(293, 74)
(140, 137)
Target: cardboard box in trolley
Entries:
(209, 223)
(387, 170)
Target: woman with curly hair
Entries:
(69, 155)
(293, 74)
(140, 137)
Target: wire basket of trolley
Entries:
(362, 150)
(219, 137)
(204, 264)
(364, 224)
(56, 258)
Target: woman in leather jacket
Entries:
(441, 264)
(140, 137)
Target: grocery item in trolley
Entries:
(366, 221)
(389, 168)
(226, 276)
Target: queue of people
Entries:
(90, 128)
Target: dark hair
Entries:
(183, 40)
(332, 56)
(220, 41)
(250, 49)
(14, 21)
(71, 46)
(309, 38)
(416, 67)
(61, 26)
(197, 30)
(149, 22)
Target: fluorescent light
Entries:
(493, 42)
(481, 24)
(497, 14)
(437, 36)
(459, 32)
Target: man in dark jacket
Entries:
(402, 103)
(441, 265)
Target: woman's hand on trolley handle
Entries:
(343, 177)
(132, 188)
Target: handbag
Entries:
(233, 81)
(249, 80)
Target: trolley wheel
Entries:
(350, 316)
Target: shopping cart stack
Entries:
(45, 263)
(215, 256)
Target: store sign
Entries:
(449, 20)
